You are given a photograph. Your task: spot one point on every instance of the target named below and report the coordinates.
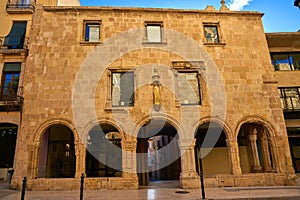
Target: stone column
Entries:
(274, 154)
(35, 161)
(267, 166)
(233, 151)
(80, 153)
(256, 162)
(188, 177)
(129, 159)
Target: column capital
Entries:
(129, 145)
(187, 143)
(252, 137)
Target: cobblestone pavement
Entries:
(276, 193)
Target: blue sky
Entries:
(279, 15)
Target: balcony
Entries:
(20, 6)
(11, 98)
(20, 48)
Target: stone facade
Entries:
(68, 83)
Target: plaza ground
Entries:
(160, 190)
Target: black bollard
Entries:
(201, 172)
(202, 179)
(81, 186)
(23, 188)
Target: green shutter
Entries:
(12, 67)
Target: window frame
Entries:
(289, 57)
(131, 101)
(198, 86)
(219, 38)
(284, 98)
(153, 23)
(5, 88)
(188, 67)
(85, 39)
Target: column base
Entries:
(189, 180)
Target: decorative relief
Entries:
(199, 65)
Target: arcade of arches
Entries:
(159, 155)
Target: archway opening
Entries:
(8, 139)
(211, 140)
(57, 153)
(158, 153)
(104, 153)
(255, 149)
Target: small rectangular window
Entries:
(188, 88)
(154, 32)
(122, 89)
(211, 34)
(10, 79)
(92, 31)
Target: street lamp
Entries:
(297, 3)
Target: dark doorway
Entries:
(57, 154)
(294, 140)
(8, 138)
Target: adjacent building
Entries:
(15, 20)
(126, 96)
(285, 54)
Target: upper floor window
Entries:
(10, 79)
(16, 37)
(290, 98)
(23, 3)
(122, 89)
(92, 31)
(286, 61)
(188, 88)
(154, 32)
(211, 34)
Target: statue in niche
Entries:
(156, 94)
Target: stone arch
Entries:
(256, 145)
(220, 150)
(228, 131)
(56, 151)
(103, 149)
(108, 121)
(259, 120)
(46, 124)
(171, 120)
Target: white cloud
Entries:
(238, 4)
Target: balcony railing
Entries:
(13, 6)
(20, 47)
(290, 103)
(11, 98)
